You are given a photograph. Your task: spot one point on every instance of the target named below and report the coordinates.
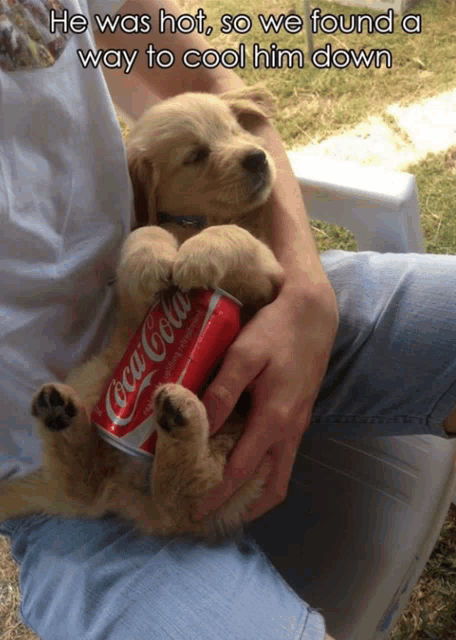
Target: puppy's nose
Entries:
(254, 161)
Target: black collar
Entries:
(199, 222)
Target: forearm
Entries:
(160, 82)
(290, 234)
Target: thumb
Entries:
(238, 369)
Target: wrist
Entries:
(315, 293)
(224, 80)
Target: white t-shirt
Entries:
(65, 208)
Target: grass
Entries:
(10, 626)
(431, 612)
(314, 104)
(436, 179)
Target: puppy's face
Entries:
(191, 156)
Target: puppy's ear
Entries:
(250, 102)
(144, 179)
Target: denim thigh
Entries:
(393, 365)
(101, 580)
(392, 372)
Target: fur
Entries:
(190, 155)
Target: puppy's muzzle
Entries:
(255, 164)
(255, 161)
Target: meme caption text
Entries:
(271, 57)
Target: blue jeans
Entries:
(392, 372)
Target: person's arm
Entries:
(165, 82)
(282, 354)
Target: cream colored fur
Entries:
(190, 155)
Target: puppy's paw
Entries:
(217, 253)
(179, 413)
(146, 264)
(55, 406)
(229, 257)
(198, 264)
(146, 274)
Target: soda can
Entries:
(181, 339)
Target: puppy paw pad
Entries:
(54, 408)
(167, 412)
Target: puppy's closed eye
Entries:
(197, 155)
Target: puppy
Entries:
(200, 180)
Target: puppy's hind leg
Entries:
(185, 469)
(69, 441)
(29, 494)
(62, 416)
(182, 471)
(59, 486)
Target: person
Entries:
(66, 207)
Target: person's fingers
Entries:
(280, 462)
(266, 426)
(217, 497)
(277, 415)
(230, 486)
(239, 368)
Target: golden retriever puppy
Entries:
(200, 180)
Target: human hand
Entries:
(281, 355)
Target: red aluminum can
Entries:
(181, 339)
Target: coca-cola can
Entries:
(181, 339)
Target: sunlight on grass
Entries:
(316, 103)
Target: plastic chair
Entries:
(378, 504)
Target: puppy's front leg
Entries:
(145, 267)
(230, 257)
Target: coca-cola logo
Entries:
(156, 334)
